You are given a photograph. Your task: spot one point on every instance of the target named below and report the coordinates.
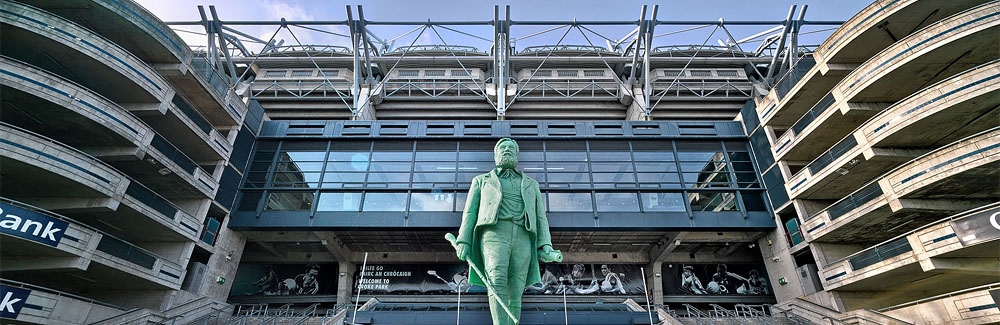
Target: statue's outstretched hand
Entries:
(547, 255)
(462, 250)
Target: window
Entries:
(570, 202)
(593, 73)
(617, 202)
(432, 201)
(385, 202)
(712, 201)
(662, 202)
(339, 201)
(302, 73)
(289, 201)
(274, 73)
(434, 73)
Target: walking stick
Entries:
(489, 284)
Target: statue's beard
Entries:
(506, 161)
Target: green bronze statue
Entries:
(504, 233)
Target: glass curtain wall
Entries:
(434, 175)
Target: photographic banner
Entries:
(285, 279)
(571, 279)
(715, 279)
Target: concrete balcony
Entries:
(954, 178)
(32, 96)
(48, 306)
(970, 306)
(949, 46)
(797, 91)
(82, 251)
(945, 249)
(126, 23)
(48, 96)
(208, 91)
(40, 168)
(945, 112)
(874, 28)
(98, 64)
(45, 241)
(188, 129)
(169, 172)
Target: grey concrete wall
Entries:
(220, 265)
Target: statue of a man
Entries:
(505, 232)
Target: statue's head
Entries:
(505, 153)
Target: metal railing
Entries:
(568, 89)
(543, 49)
(436, 48)
(300, 89)
(432, 88)
(701, 89)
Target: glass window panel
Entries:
(712, 201)
(570, 202)
(388, 177)
(390, 166)
(249, 200)
(260, 166)
(349, 156)
(614, 178)
(289, 201)
(339, 201)
(743, 166)
(707, 179)
(385, 202)
(538, 177)
(611, 167)
(610, 156)
(568, 177)
(392, 156)
(662, 202)
(747, 180)
(696, 146)
(345, 167)
(303, 156)
(753, 201)
(434, 177)
(436, 155)
(295, 179)
(443, 166)
(617, 202)
(257, 177)
(319, 146)
(300, 166)
(432, 201)
(566, 156)
(466, 178)
(658, 178)
(653, 156)
(656, 166)
(703, 166)
(531, 167)
(344, 177)
(460, 199)
(263, 156)
(475, 156)
(531, 156)
(267, 146)
(558, 166)
(480, 167)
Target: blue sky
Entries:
(523, 10)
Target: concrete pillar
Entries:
(345, 282)
(654, 281)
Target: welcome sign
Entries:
(31, 225)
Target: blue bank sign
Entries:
(13, 300)
(31, 225)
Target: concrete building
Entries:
(145, 180)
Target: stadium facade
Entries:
(148, 181)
